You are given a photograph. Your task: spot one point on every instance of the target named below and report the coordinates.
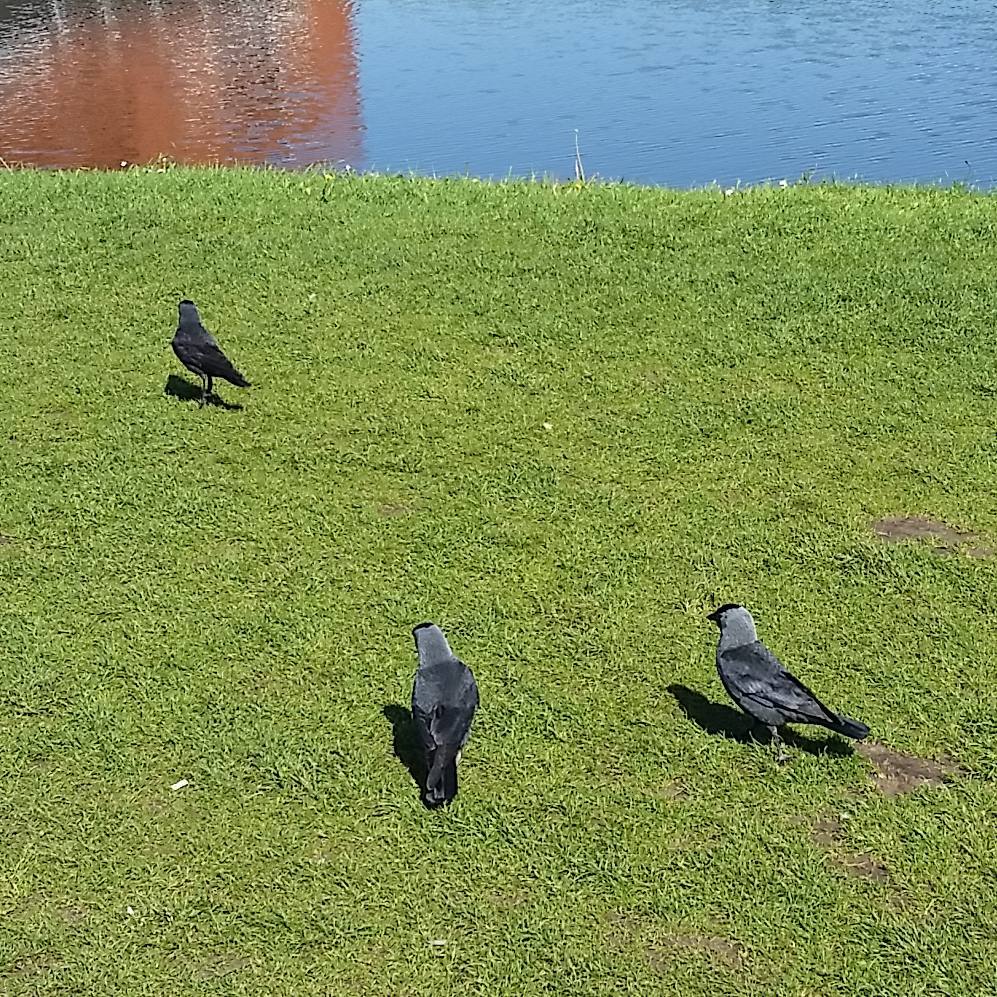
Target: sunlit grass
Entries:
(562, 422)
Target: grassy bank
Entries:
(563, 423)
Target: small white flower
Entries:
(729, 192)
(124, 162)
(783, 183)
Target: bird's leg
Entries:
(204, 390)
(781, 755)
(210, 386)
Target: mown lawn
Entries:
(563, 423)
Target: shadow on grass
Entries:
(725, 721)
(406, 745)
(177, 387)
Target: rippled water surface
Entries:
(660, 91)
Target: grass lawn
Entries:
(564, 424)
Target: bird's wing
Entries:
(756, 673)
(213, 362)
(452, 723)
(422, 722)
(202, 334)
(446, 696)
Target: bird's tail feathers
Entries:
(234, 377)
(850, 728)
(441, 783)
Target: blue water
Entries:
(659, 91)
(683, 93)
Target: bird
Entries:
(758, 683)
(444, 699)
(197, 350)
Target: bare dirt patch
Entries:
(221, 965)
(945, 539)
(863, 866)
(628, 927)
(510, 900)
(671, 790)
(895, 773)
(975, 551)
(828, 833)
(393, 510)
(73, 915)
(715, 947)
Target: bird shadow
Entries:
(725, 721)
(405, 744)
(177, 387)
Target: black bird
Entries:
(758, 683)
(444, 698)
(199, 353)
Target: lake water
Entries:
(659, 91)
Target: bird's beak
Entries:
(715, 616)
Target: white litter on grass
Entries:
(129, 910)
(548, 426)
(180, 784)
(783, 183)
(437, 942)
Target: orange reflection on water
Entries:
(195, 81)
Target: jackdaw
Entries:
(758, 683)
(199, 353)
(444, 698)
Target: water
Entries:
(660, 91)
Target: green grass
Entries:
(560, 422)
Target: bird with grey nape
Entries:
(756, 680)
(197, 350)
(444, 698)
